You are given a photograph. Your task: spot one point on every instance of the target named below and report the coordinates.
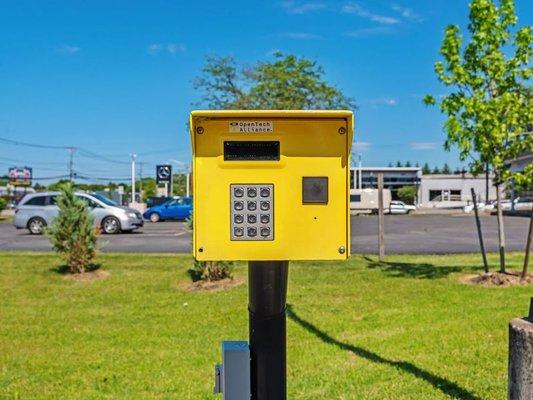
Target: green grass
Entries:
(405, 329)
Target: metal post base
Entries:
(267, 282)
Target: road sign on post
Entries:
(270, 187)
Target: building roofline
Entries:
(398, 169)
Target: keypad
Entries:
(252, 210)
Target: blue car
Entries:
(179, 208)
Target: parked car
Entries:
(179, 208)
(519, 204)
(36, 211)
(470, 207)
(399, 207)
(523, 204)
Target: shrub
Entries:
(209, 270)
(3, 204)
(407, 194)
(73, 233)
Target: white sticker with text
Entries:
(251, 126)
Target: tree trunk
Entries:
(528, 247)
(501, 234)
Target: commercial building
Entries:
(454, 190)
(393, 178)
(433, 190)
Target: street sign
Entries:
(271, 185)
(163, 173)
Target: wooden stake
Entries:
(528, 248)
(381, 222)
(479, 233)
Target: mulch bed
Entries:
(87, 276)
(496, 279)
(213, 286)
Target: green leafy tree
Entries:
(446, 169)
(407, 194)
(398, 164)
(436, 170)
(488, 108)
(286, 83)
(425, 169)
(408, 164)
(72, 233)
(58, 185)
(148, 186)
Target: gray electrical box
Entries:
(232, 378)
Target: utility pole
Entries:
(71, 150)
(133, 156)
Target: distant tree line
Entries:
(426, 169)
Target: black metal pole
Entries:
(267, 291)
(479, 232)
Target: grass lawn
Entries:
(404, 329)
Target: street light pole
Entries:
(360, 175)
(133, 156)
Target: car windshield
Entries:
(105, 200)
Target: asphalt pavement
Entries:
(413, 234)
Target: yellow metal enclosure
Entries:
(271, 185)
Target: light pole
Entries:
(360, 175)
(133, 157)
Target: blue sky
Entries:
(115, 77)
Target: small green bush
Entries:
(209, 270)
(3, 204)
(73, 233)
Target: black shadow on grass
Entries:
(412, 270)
(444, 385)
(64, 269)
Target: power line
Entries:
(89, 154)
(39, 146)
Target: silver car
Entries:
(37, 210)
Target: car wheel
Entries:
(155, 217)
(36, 225)
(111, 225)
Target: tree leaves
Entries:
(288, 82)
(489, 107)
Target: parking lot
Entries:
(419, 234)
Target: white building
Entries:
(433, 191)
(453, 190)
